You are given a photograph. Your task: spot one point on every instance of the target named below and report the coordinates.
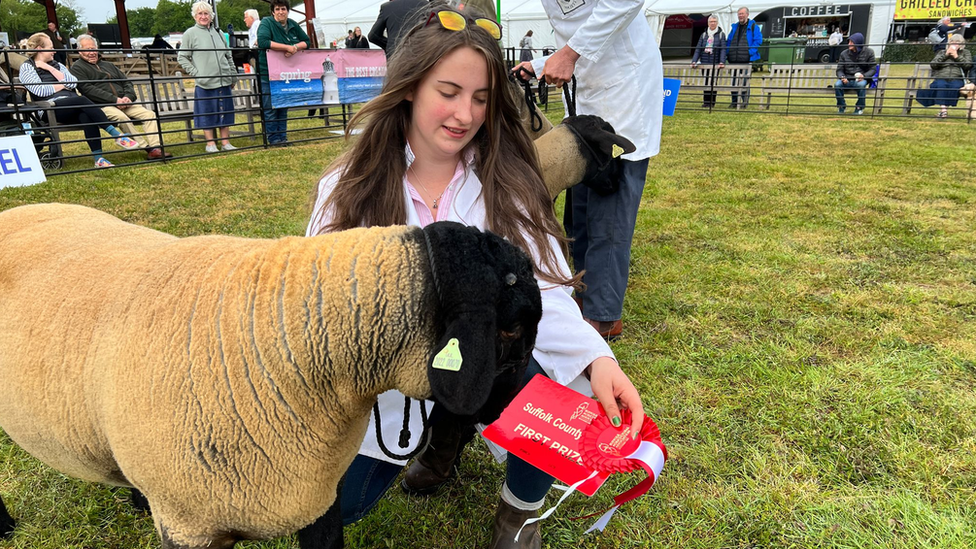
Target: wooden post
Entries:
(123, 23)
(309, 27)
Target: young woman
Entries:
(526, 44)
(48, 80)
(443, 141)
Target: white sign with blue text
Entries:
(19, 165)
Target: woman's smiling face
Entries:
(449, 105)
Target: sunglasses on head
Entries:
(454, 21)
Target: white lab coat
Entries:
(565, 344)
(620, 76)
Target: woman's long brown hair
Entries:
(370, 187)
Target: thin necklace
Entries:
(424, 188)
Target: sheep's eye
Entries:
(508, 337)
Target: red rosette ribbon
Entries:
(610, 449)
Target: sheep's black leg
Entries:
(139, 501)
(6, 522)
(326, 531)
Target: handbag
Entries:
(10, 96)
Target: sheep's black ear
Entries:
(600, 135)
(462, 368)
(600, 147)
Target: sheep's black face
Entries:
(600, 147)
(490, 304)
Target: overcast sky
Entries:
(97, 11)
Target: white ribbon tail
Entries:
(603, 521)
(652, 458)
(552, 509)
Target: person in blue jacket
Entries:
(743, 47)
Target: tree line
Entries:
(169, 16)
(21, 18)
(25, 17)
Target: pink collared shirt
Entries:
(443, 203)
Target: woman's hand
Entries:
(612, 386)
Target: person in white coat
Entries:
(253, 22)
(610, 48)
(443, 142)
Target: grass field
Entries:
(801, 323)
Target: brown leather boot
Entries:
(508, 520)
(610, 330)
(428, 472)
(438, 462)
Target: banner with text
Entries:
(672, 86)
(325, 77)
(934, 9)
(19, 165)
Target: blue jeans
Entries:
(603, 229)
(275, 120)
(367, 479)
(861, 87)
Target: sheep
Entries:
(230, 379)
(581, 149)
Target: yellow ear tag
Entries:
(449, 358)
(616, 151)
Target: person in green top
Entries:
(278, 33)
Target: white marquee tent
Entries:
(337, 17)
(882, 12)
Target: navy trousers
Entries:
(603, 229)
(367, 479)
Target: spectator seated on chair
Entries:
(106, 86)
(855, 70)
(48, 80)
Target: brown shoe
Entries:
(508, 520)
(610, 330)
(156, 153)
(425, 477)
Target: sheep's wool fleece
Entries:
(560, 158)
(200, 370)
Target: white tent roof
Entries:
(882, 12)
(337, 17)
(518, 16)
